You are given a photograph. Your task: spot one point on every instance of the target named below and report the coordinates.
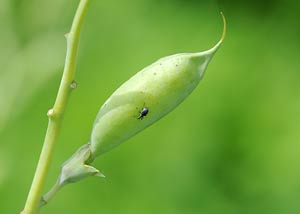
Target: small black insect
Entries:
(143, 113)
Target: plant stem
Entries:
(56, 113)
(47, 197)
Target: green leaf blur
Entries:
(232, 147)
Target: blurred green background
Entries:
(232, 147)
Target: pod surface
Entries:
(160, 87)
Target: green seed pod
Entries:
(155, 91)
(142, 100)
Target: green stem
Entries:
(56, 113)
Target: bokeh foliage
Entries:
(232, 147)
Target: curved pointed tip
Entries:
(224, 27)
(216, 47)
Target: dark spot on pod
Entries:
(143, 113)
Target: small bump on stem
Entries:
(66, 35)
(50, 112)
(74, 85)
